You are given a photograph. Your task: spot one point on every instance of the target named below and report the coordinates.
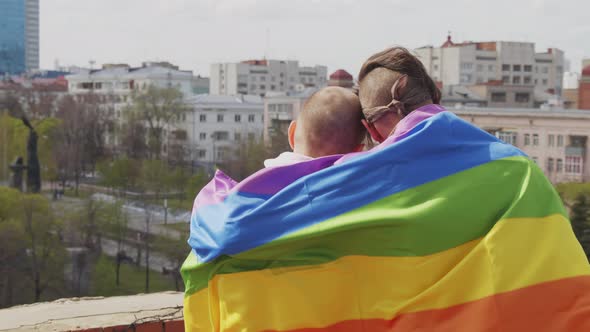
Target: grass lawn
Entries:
(132, 279)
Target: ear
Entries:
(373, 131)
(291, 134)
(359, 148)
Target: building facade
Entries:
(557, 140)
(281, 109)
(216, 125)
(19, 36)
(584, 89)
(513, 63)
(262, 77)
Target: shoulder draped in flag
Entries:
(442, 228)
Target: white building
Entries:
(122, 80)
(556, 139)
(513, 63)
(259, 77)
(281, 109)
(216, 125)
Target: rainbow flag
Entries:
(441, 228)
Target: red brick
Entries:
(120, 328)
(150, 327)
(89, 330)
(175, 326)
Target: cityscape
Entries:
(106, 159)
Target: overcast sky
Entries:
(336, 33)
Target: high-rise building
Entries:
(512, 63)
(259, 77)
(19, 36)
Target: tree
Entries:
(158, 109)
(175, 250)
(247, 158)
(121, 174)
(580, 212)
(80, 138)
(44, 248)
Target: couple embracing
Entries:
(439, 227)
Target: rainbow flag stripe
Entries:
(440, 228)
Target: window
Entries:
(202, 136)
(491, 68)
(202, 153)
(466, 65)
(507, 136)
(536, 81)
(551, 140)
(435, 67)
(250, 136)
(253, 78)
(499, 97)
(505, 67)
(237, 136)
(559, 166)
(535, 139)
(272, 78)
(522, 97)
(528, 68)
(220, 154)
(479, 80)
(545, 70)
(516, 68)
(559, 140)
(262, 87)
(203, 118)
(544, 81)
(262, 78)
(573, 164)
(465, 78)
(550, 165)
(237, 118)
(506, 79)
(527, 139)
(251, 118)
(516, 80)
(527, 80)
(219, 117)
(272, 87)
(479, 68)
(221, 135)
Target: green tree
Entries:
(175, 249)
(579, 214)
(46, 254)
(121, 174)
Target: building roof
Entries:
(586, 71)
(341, 75)
(448, 42)
(225, 102)
(527, 112)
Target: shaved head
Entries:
(330, 123)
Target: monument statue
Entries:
(33, 167)
(17, 168)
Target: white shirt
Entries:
(286, 158)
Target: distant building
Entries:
(216, 125)
(121, 79)
(281, 109)
(341, 78)
(513, 63)
(200, 85)
(584, 88)
(19, 36)
(260, 77)
(556, 139)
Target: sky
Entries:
(337, 33)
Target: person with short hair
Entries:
(328, 124)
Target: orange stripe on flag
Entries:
(551, 306)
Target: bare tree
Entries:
(159, 109)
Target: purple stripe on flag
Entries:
(215, 191)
